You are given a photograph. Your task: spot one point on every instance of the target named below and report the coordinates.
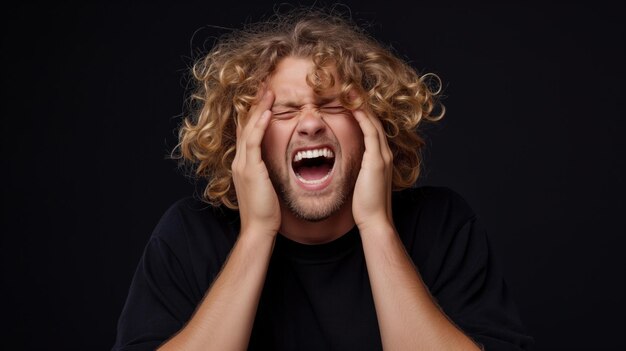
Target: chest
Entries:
(325, 305)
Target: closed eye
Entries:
(285, 114)
(333, 109)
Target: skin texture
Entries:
(408, 317)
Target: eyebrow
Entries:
(319, 100)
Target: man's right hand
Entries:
(259, 209)
(224, 318)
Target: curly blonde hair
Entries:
(228, 77)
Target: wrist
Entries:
(257, 233)
(377, 228)
(255, 244)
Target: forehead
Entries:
(289, 82)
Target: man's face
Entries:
(313, 146)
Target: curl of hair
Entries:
(228, 77)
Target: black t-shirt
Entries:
(318, 297)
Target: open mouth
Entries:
(313, 166)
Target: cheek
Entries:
(275, 141)
(349, 134)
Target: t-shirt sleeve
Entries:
(162, 295)
(464, 275)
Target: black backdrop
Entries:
(91, 95)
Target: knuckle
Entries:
(237, 168)
(250, 145)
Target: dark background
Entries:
(533, 139)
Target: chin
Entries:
(315, 210)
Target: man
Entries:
(303, 127)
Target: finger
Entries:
(265, 99)
(257, 127)
(256, 111)
(239, 128)
(353, 96)
(253, 117)
(239, 131)
(253, 143)
(260, 94)
(370, 133)
(388, 159)
(384, 144)
(237, 157)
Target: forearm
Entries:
(224, 318)
(408, 317)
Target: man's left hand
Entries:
(371, 203)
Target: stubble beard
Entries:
(314, 208)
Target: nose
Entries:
(310, 123)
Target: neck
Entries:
(320, 232)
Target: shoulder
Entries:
(430, 219)
(191, 222)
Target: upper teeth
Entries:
(326, 152)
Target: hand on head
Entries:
(258, 203)
(371, 202)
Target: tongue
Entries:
(314, 172)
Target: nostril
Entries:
(311, 126)
(311, 132)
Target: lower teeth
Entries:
(316, 181)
